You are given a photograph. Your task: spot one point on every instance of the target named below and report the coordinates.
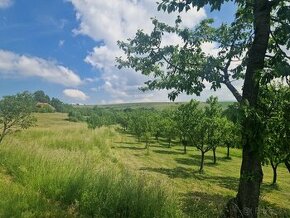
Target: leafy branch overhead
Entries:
(184, 67)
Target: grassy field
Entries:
(63, 169)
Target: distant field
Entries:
(63, 169)
(155, 105)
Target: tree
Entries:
(168, 126)
(230, 135)
(201, 135)
(273, 102)
(197, 128)
(40, 96)
(181, 116)
(142, 125)
(99, 117)
(16, 113)
(213, 111)
(57, 104)
(255, 38)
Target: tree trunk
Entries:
(287, 162)
(184, 142)
(274, 167)
(228, 151)
(214, 155)
(251, 174)
(201, 162)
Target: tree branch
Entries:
(278, 46)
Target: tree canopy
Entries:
(16, 113)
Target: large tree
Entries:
(256, 40)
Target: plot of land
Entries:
(55, 141)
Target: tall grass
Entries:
(71, 171)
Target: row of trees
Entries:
(207, 127)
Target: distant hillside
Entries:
(155, 105)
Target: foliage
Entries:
(16, 113)
(168, 126)
(141, 124)
(274, 101)
(44, 108)
(40, 96)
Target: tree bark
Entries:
(201, 162)
(184, 142)
(214, 155)
(228, 151)
(274, 168)
(3, 131)
(251, 174)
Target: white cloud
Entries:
(75, 94)
(109, 21)
(117, 20)
(12, 64)
(5, 3)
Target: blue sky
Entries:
(67, 48)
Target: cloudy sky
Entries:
(68, 47)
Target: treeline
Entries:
(45, 104)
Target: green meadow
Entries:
(63, 169)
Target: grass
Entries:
(203, 195)
(62, 169)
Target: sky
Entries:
(67, 48)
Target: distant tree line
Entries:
(45, 104)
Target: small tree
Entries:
(213, 112)
(16, 113)
(274, 101)
(142, 125)
(230, 135)
(181, 116)
(200, 136)
(168, 126)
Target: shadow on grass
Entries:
(166, 152)
(227, 182)
(178, 172)
(196, 161)
(200, 204)
(210, 158)
(131, 148)
(268, 187)
(267, 209)
(127, 143)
